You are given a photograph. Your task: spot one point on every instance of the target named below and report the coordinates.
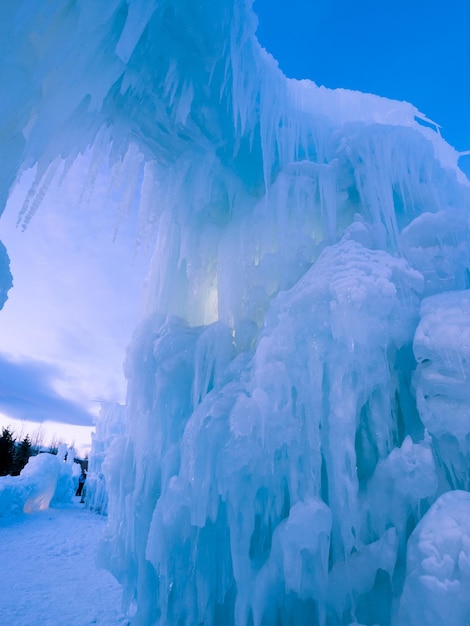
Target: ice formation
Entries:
(109, 426)
(438, 565)
(296, 429)
(6, 281)
(46, 480)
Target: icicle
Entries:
(36, 195)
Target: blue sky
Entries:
(414, 50)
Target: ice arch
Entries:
(275, 460)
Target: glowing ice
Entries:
(45, 480)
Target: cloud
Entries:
(27, 392)
(76, 298)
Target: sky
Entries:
(77, 297)
(75, 301)
(413, 50)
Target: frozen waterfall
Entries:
(296, 446)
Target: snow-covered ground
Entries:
(49, 576)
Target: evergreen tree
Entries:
(7, 451)
(22, 453)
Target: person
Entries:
(81, 483)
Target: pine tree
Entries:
(7, 451)
(22, 453)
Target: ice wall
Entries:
(293, 409)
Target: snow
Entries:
(49, 573)
(295, 434)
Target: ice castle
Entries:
(297, 427)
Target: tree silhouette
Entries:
(7, 451)
(22, 453)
